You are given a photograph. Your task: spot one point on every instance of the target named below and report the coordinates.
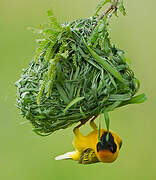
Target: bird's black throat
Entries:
(106, 145)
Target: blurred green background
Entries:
(26, 156)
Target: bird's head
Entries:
(107, 151)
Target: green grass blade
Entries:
(74, 101)
(113, 106)
(135, 100)
(99, 139)
(107, 123)
(112, 80)
(120, 97)
(138, 99)
(82, 113)
(62, 93)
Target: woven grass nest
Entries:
(77, 73)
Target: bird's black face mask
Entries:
(106, 145)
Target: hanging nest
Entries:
(77, 74)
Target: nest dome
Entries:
(77, 74)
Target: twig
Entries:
(110, 8)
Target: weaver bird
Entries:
(89, 149)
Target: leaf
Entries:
(138, 99)
(120, 97)
(107, 123)
(135, 100)
(83, 114)
(74, 101)
(42, 87)
(48, 55)
(65, 54)
(99, 139)
(113, 106)
(53, 20)
(35, 30)
(74, 60)
(100, 5)
(42, 45)
(62, 93)
(112, 80)
(121, 7)
(137, 84)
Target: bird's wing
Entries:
(88, 156)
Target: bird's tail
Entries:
(67, 155)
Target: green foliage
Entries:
(100, 5)
(121, 7)
(77, 73)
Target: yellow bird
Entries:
(90, 150)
